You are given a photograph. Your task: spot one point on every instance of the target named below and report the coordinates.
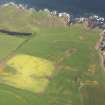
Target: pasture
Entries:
(72, 63)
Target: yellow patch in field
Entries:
(31, 73)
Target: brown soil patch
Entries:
(81, 38)
(1, 68)
(66, 55)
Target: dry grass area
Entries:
(31, 73)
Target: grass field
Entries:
(77, 69)
(93, 95)
(8, 44)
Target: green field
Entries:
(77, 73)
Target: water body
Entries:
(75, 6)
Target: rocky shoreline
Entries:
(100, 47)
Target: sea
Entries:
(82, 7)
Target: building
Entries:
(80, 19)
(66, 16)
(46, 10)
(54, 13)
(10, 3)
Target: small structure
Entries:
(20, 6)
(90, 22)
(53, 13)
(10, 3)
(94, 21)
(66, 17)
(80, 19)
(31, 9)
(46, 10)
(99, 20)
(6, 5)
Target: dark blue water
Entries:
(75, 6)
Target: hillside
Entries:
(19, 19)
(57, 65)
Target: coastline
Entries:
(69, 16)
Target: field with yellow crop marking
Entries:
(31, 73)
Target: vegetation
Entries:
(71, 49)
(30, 73)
